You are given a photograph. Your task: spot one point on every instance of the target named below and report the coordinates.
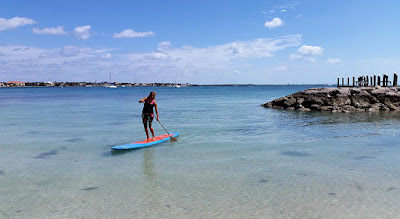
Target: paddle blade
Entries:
(174, 139)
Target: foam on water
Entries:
(234, 158)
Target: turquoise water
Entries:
(235, 159)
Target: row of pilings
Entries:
(366, 81)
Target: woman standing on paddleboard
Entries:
(148, 114)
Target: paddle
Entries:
(172, 138)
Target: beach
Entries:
(234, 158)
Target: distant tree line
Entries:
(85, 84)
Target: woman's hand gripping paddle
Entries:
(172, 138)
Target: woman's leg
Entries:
(144, 120)
(146, 130)
(151, 128)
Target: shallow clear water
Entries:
(234, 159)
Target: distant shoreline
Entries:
(103, 84)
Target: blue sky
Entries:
(198, 42)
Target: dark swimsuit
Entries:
(147, 113)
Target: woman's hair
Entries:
(153, 92)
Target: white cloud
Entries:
(106, 56)
(281, 68)
(199, 65)
(38, 64)
(295, 56)
(310, 50)
(289, 6)
(308, 53)
(129, 33)
(83, 32)
(310, 59)
(50, 30)
(276, 22)
(164, 45)
(14, 22)
(333, 61)
(209, 63)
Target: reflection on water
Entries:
(148, 165)
(150, 175)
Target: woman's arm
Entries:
(155, 106)
(142, 100)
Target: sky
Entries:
(198, 42)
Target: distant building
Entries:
(49, 83)
(16, 83)
(2, 84)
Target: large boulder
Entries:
(343, 99)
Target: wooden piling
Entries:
(368, 80)
(361, 81)
(385, 80)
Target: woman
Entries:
(148, 114)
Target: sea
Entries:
(234, 158)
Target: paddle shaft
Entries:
(163, 126)
(172, 138)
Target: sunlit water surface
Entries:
(234, 158)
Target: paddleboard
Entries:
(145, 143)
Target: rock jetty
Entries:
(341, 99)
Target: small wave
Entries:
(356, 136)
(295, 153)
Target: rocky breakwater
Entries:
(342, 99)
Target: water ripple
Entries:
(295, 153)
